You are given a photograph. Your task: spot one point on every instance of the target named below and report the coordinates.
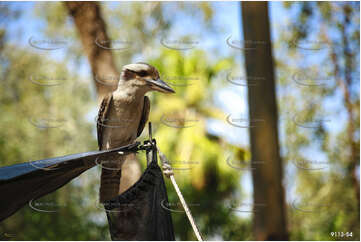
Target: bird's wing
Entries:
(102, 117)
(145, 115)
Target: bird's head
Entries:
(145, 77)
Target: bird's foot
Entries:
(167, 170)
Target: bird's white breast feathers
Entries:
(124, 116)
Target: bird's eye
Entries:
(142, 73)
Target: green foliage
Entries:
(41, 122)
(326, 198)
(206, 179)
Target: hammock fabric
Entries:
(140, 213)
(21, 183)
(137, 214)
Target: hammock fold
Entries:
(141, 212)
(21, 183)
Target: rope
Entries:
(168, 171)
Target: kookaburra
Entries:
(121, 119)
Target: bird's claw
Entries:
(167, 170)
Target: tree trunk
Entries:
(92, 31)
(269, 218)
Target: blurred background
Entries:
(262, 149)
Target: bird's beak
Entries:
(161, 86)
